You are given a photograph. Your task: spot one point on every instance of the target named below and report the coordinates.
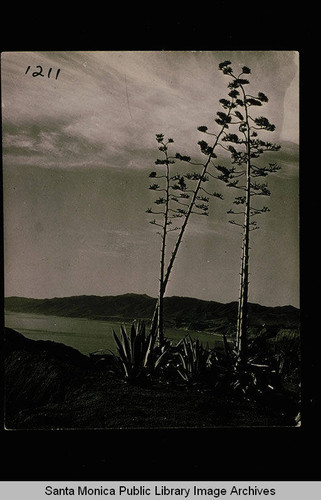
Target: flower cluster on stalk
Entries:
(244, 146)
(178, 187)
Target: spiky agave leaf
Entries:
(134, 346)
(125, 342)
(194, 359)
(122, 355)
(150, 342)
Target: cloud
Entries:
(291, 126)
(104, 103)
(50, 145)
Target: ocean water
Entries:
(85, 335)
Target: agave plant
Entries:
(138, 355)
(251, 377)
(195, 361)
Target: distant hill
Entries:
(179, 311)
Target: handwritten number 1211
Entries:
(40, 72)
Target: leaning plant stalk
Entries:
(158, 311)
(160, 301)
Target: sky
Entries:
(77, 153)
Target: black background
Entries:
(248, 454)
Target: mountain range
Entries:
(178, 311)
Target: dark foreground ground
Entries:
(52, 386)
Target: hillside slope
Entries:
(52, 386)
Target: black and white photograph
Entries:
(151, 239)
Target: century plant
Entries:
(245, 148)
(138, 355)
(173, 189)
(182, 196)
(195, 361)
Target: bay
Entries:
(86, 335)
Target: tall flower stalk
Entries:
(193, 200)
(247, 147)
